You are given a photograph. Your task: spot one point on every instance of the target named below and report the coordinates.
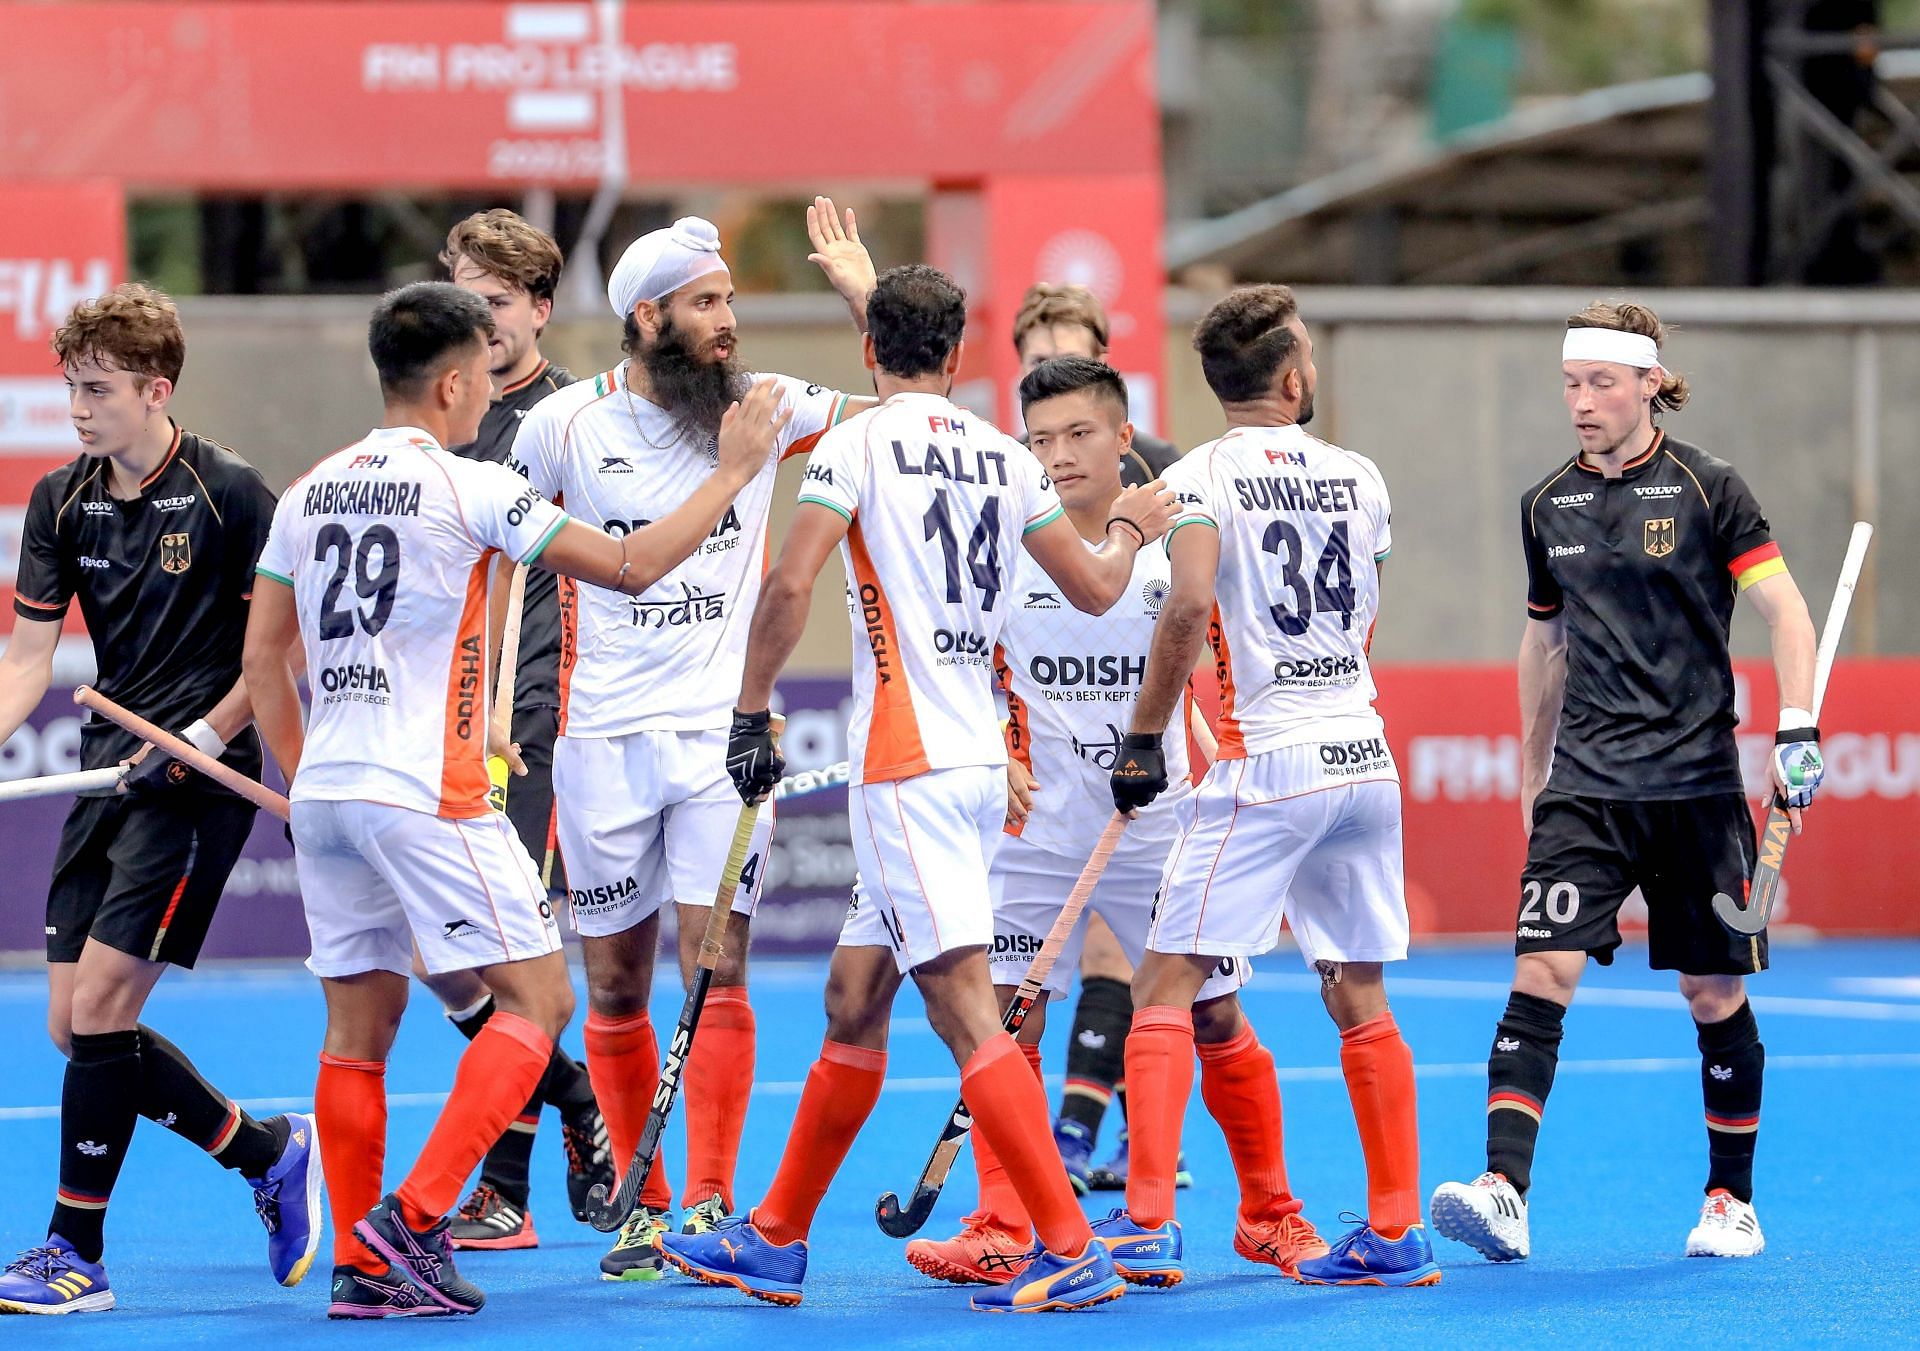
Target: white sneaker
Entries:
(1727, 1228)
(1486, 1215)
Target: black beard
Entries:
(1306, 412)
(696, 391)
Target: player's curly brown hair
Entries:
(505, 246)
(1046, 304)
(1624, 316)
(133, 328)
(1245, 340)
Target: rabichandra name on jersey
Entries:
(361, 497)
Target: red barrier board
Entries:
(1455, 731)
(264, 96)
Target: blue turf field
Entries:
(1622, 1155)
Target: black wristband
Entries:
(1138, 533)
(1789, 734)
(1141, 741)
(752, 722)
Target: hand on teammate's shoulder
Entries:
(1150, 508)
(750, 429)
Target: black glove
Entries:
(753, 763)
(158, 773)
(1139, 771)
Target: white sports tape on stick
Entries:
(1610, 344)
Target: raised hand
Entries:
(1150, 508)
(749, 429)
(841, 255)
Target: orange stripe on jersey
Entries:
(894, 747)
(1019, 731)
(569, 642)
(463, 740)
(1232, 746)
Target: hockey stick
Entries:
(51, 785)
(498, 771)
(807, 782)
(608, 1215)
(901, 1222)
(251, 789)
(1761, 892)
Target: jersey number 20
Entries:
(377, 584)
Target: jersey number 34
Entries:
(1328, 591)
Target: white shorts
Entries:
(647, 818)
(921, 847)
(376, 879)
(1285, 833)
(1030, 884)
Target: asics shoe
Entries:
(358, 1295)
(53, 1278)
(705, 1217)
(422, 1256)
(1075, 1144)
(1362, 1256)
(1111, 1176)
(1050, 1283)
(1727, 1228)
(1488, 1215)
(583, 1135)
(487, 1220)
(982, 1253)
(735, 1253)
(287, 1200)
(633, 1256)
(1285, 1242)
(1142, 1256)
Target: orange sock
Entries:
(999, 1203)
(1159, 1081)
(623, 1064)
(842, 1088)
(1009, 1110)
(1378, 1064)
(1238, 1085)
(719, 1082)
(350, 1105)
(496, 1077)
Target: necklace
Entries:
(633, 413)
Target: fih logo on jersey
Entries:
(1312, 673)
(176, 553)
(1099, 754)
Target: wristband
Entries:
(1138, 533)
(200, 735)
(1792, 719)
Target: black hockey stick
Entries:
(903, 1222)
(1765, 887)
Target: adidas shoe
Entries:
(1285, 1242)
(358, 1295)
(583, 1135)
(487, 1220)
(705, 1217)
(980, 1254)
(1488, 1215)
(1075, 1144)
(287, 1200)
(735, 1253)
(422, 1256)
(1142, 1256)
(1362, 1256)
(633, 1256)
(1051, 1283)
(53, 1278)
(1728, 1228)
(1111, 1176)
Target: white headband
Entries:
(1610, 344)
(662, 261)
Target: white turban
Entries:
(662, 261)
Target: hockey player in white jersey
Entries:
(1276, 557)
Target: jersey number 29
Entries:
(377, 584)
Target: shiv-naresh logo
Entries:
(175, 554)
(1658, 540)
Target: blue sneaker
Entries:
(1362, 1257)
(1051, 1283)
(1076, 1152)
(287, 1199)
(734, 1253)
(1111, 1176)
(1142, 1256)
(53, 1278)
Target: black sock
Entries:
(174, 1094)
(98, 1108)
(1526, 1049)
(469, 1022)
(1120, 1101)
(565, 1085)
(1096, 1050)
(1732, 1065)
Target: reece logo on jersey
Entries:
(1350, 759)
(1094, 677)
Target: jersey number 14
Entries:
(982, 556)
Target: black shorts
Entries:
(143, 876)
(1586, 854)
(530, 799)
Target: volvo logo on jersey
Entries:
(693, 607)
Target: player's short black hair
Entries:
(416, 330)
(1246, 340)
(1064, 375)
(916, 317)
